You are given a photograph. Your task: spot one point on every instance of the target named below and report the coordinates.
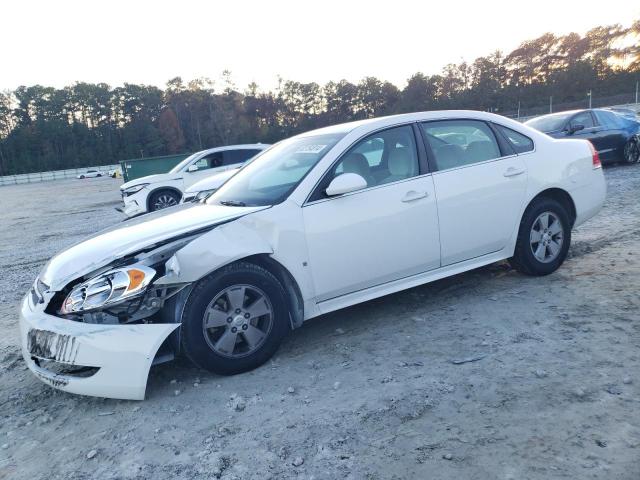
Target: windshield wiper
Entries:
(232, 203)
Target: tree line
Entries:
(85, 124)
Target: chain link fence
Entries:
(53, 175)
(522, 112)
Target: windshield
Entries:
(184, 163)
(549, 123)
(272, 176)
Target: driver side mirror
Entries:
(575, 128)
(345, 183)
(192, 168)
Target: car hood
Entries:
(214, 181)
(132, 236)
(160, 177)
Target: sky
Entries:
(56, 43)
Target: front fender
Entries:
(222, 245)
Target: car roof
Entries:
(558, 114)
(390, 120)
(244, 146)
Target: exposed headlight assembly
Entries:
(134, 189)
(204, 194)
(108, 289)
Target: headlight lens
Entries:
(108, 288)
(134, 189)
(204, 194)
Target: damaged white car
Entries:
(320, 221)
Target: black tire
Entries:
(99, 175)
(195, 345)
(81, 177)
(631, 152)
(523, 258)
(153, 199)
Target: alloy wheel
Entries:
(546, 237)
(165, 200)
(631, 152)
(237, 321)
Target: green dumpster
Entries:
(141, 167)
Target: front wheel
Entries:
(234, 319)
(543, 238)
(163, 199)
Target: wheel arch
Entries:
(159, 189)
(287, 280)
(235, 242)
(561, 196)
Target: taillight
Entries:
(595, 158)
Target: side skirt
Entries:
(408, 282)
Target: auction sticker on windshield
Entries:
(310, 148)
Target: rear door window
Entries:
(608, 120)
(231, 157)
(520, 143)
(458, 143)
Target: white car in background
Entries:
(156, 192)
(321, 221)
(89, 174)
(202, 189)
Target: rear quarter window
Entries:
(520, 143)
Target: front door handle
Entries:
(412, 196)
(512, 172)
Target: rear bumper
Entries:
(119, 356)
(589, 198)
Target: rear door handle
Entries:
(412, 195)
(512, 172)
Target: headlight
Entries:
(204, 194)
(108, 288)
(134, 189)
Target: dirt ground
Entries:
(370, 392)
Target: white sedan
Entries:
(89, 174)
(318, 222)
(156, 192)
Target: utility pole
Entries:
(519, 101)
(589, 95)
(551, 104)
(637, 91)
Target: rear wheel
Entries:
(631, 152)
(543, 238)
(234, 319)
(163, 199)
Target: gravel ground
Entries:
(375, 391)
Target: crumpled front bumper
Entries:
(135, 204)
(118, 356)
